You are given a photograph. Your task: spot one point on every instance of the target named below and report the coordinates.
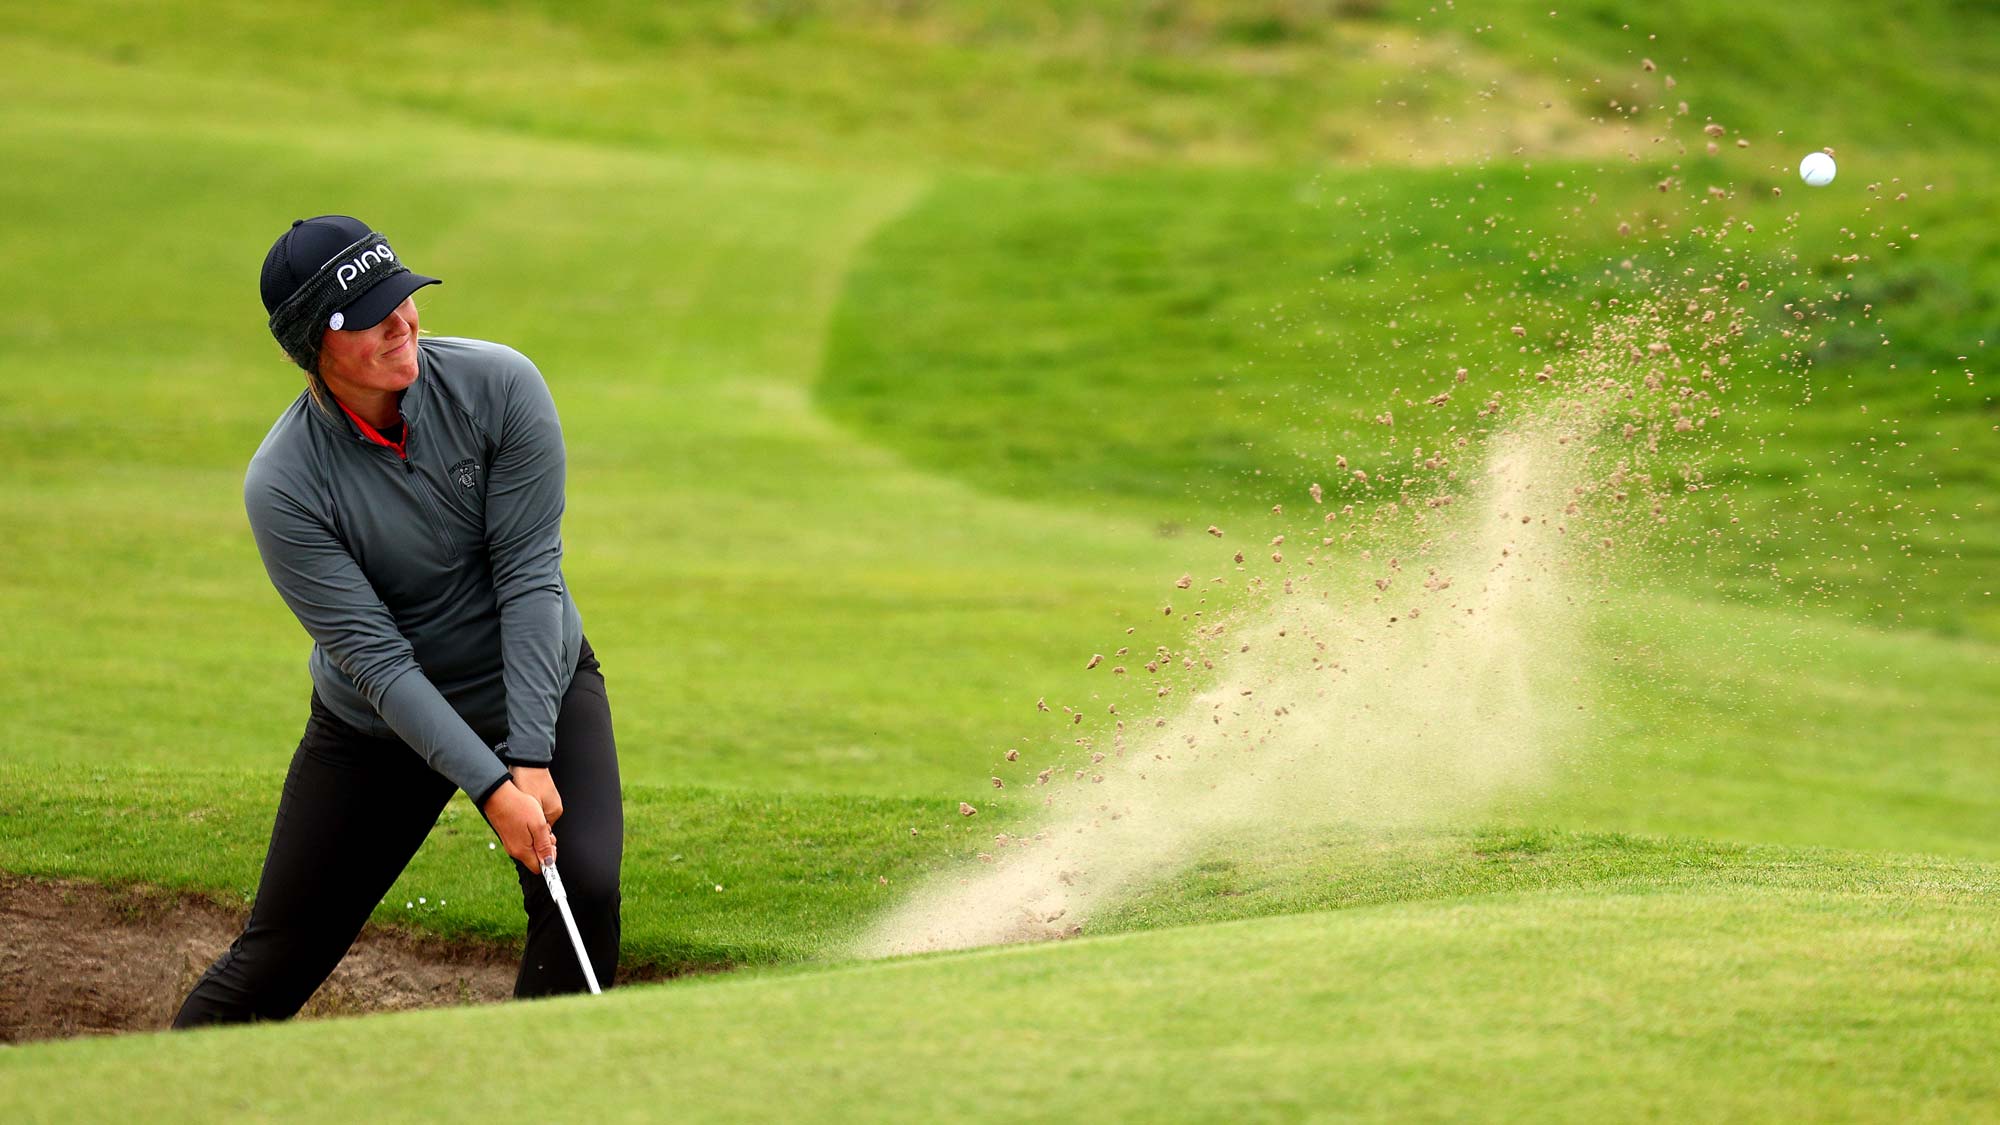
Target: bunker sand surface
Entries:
(78, 958)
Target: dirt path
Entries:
(77, 958)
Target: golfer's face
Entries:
(382, 357)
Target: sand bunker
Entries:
(81, 959)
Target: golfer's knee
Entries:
(592, 889)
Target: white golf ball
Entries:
(1816, 169)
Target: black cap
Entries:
(312, 243)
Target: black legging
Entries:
(354, 811)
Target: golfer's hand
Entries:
(517, 819)
(536, 783)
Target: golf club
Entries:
(569, 920)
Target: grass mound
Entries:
(1788, 984)
(1201, 345)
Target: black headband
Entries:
(315, 306)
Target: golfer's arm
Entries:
(524, 509)
(333, 599)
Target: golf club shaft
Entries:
(569, 921)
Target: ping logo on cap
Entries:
(361, 263)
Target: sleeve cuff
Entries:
(479, 800)
(515, 757)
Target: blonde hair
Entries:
(321, 394)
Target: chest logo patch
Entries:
(466, 473)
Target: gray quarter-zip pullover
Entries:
(430, 581)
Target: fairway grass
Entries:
(1797, 984)
(902, 362)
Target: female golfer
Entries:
(408, 508)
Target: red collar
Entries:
(375, 436)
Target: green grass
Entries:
(902, 355)
(1771, 985)
(1208, 341)
(1097, 83)
(1001, 85)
